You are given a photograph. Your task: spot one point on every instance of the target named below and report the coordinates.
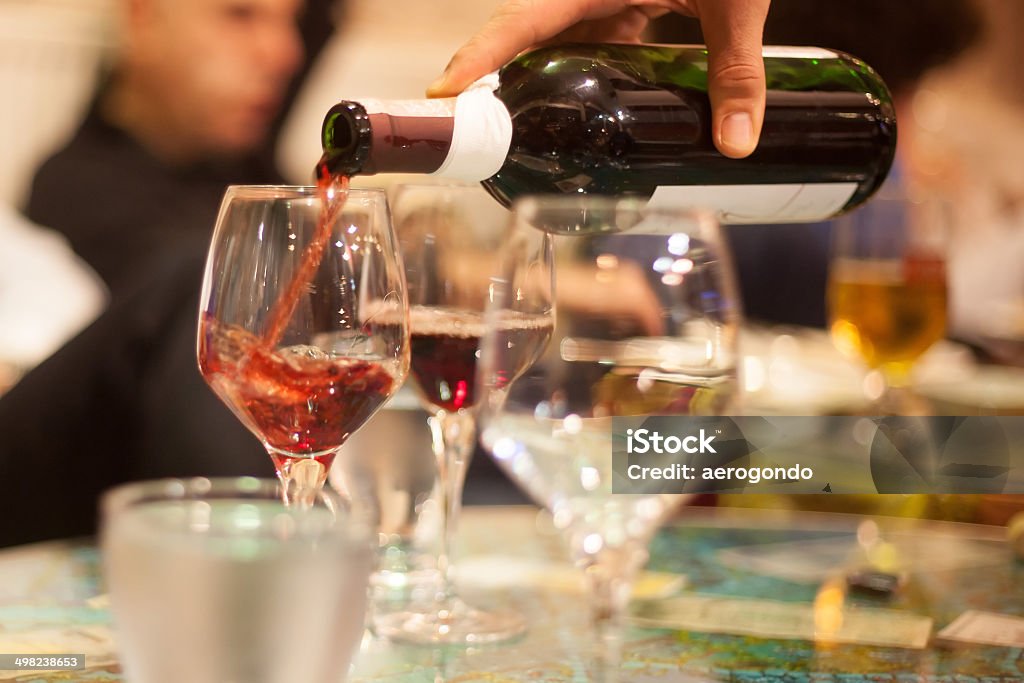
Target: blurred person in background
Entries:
(969, 146)
(192, 103)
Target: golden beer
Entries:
(887, 312)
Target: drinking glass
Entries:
(216, 580)
(450, 237)
(647, 325)
(303, 322)
(887, 290)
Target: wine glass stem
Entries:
(301, 479)
(606, 612)
(897, 396)
(452, 437)
(609, 579)
(896, 375)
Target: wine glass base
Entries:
(457, 624)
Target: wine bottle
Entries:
(636, 120)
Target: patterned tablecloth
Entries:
(48, 604)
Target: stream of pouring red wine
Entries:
(333, 191)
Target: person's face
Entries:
(217, 69)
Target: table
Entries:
(48, 596)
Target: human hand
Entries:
(618, 293)
(732, 30)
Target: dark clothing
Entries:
(782, 271)
(122, 401)
(120, 207)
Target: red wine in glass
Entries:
(445, 345)
(302, 402)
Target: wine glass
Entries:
(303, 321)
(450, 237)
(887, 291)
(647, 325)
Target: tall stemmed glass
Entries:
(451, 237)
(887, 291)
(647, 325)
(303, 321)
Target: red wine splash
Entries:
(298, 400)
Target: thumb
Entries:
(736, 81)
(473, 60)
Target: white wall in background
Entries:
(50, 53)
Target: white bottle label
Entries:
(481, 136)
(739, 204)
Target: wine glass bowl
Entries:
(303, 325)
(647, 324)
(887, 289)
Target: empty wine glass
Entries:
(887, 291)
(303, 322)
(646, 325)
(451, 237)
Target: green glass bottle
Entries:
(635, 120)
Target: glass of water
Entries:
(216, 580)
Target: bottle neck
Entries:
(369, 137)
(409, 144)
(465, 138)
